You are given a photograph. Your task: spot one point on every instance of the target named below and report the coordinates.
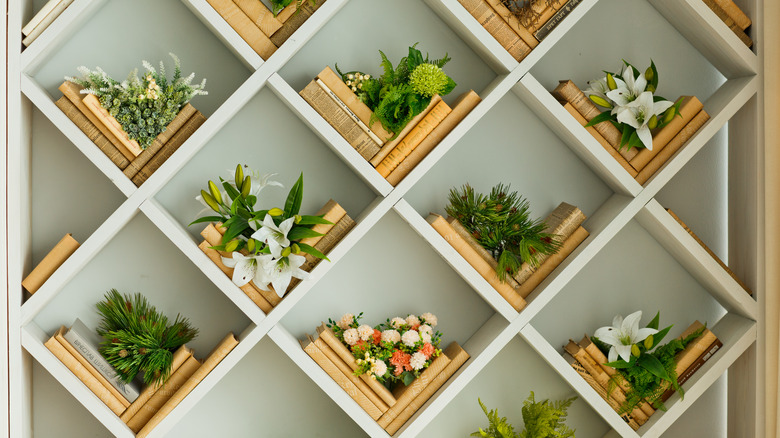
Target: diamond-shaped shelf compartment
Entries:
(521, 371)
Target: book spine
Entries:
(332, 212)
(177, 123)
(53, 260)
(552, 262)
(734, 13)
(248, 289)
(39, 16)
(700, 361)
(462, 108)
(729, 21)
(216, 356)
(390, 145)
(130, 149)
(244, 27)
(329, 241)
(46, 22)
(497, 27)
(677, 142)
(688, 109)
(339, 120)
(260, 15)
(340, 378)
(556, 19)
(513, 22)
(169, 148)
(296, 20)
(287, 12)
(413, 138)
(481, 251)
(482, 267)
(348, 111)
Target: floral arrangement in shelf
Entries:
(403, 92)
(143, 106)
(542, 419)
(631, 104)
(265, 244)
(139, 339)
(397, 350)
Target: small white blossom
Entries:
(365, 332)
(351, 336)
(391, 336)
(417, 361)
(410, 338)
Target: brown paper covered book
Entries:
(53, 260)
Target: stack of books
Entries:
(393, 159)
(256, 24)
(641, 164)
(268, 299)
(107, 133)
(53, 260)
(48, 13)
(565, 221)
(519, 35)
(732, 15)
(140, 409)
(586, 358)
(390, 408)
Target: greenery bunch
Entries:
(501, 223)
(137, 338)
(403, 92)
(143, 106)
(542, 420)
(278, 5)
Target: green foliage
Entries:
(278, 5)
(542, 420)
(138, 338)
(498, 426)
(501, 223)
(143, 106)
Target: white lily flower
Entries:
(639, 112)
(628, 89)
(259, 180)
(623, 334)
(273, 236)
(598, 87)
(280, 272)
(245, 268)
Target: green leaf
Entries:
(408, 378)
(414, 59)
(626, 135)
(231, 191)
(206, 219)
(655, 74)
(449, 87)
(312, 220)
(308, 249)
(619, 364)
(658, 337)
(293, 204)
(234, 229)
(654, 323)
(298, 233)
(652, 364)
(603, 117)
(251, 200)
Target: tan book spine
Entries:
(545, 15)
(287, 12)
(332, 212)
(677, 142)
(413, 138)
(463, 107)
(346, 384)
(179, 357)
(734, 12)
(723, 15)
(339, 348)
(482, 267)
(693, 350)
(131, 147)
(144, 415)
(347, 371)
(348, 111)
(214, 358)
(295, 21)
(39, 16)
(76, 368)
(339, 120)
(244, 27)
(260, 15)
(329, 240)
(350, 99)
(169, 148)
(661, 137)
(162, 138)
(569, 92)
(603, 142)
(497, 27)
(552, 262)
(60, 336)
(53, 260)
(486, 256)
(458, 357)
(709, 251)
(390, 145)
(46, 22)
(513, 22)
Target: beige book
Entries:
(513, 22)
(91, 131)
(46, 22)
(345, 383)
(603, 142)
(486, 256)
(552, 262)
(144, 415)
(162, 138)
(734, 12)
(725, 16)
(339, 120)
(248, 289)
(327, 335)
(78, 369)
(214, 358)
(60, 336)
(260, 15)
(709, 251)
(244, 27)
(568, 91)
(53, 260)
(413, 138)
(677, 142)
(329, 241)
(295, 21)
(695, 348)
(545, 14)
(332, 212)
(179, 357)
(347, 371)
(169, 148)
(458, 357)
(287, 12)
(497, 27)
(463, 106)
(482, 267)
(131, 147)
(348, 111)
(661, 137)
(405, 394)
(390, 145)
(39, 16)
(350, 99)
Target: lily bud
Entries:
(250, 245)
(287, 251)
(298, 219)
(649, 342)
(209, 201)
(611, 84)
(650, 88)
(295, 248)
(669, 115)
(239, 174)
(231, 246)
(649, 74)
(246, 186)
(276, 212)
(653, 122)
(215, 192)
(635, 350)
(600, 101)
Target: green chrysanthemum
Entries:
(428, 79)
